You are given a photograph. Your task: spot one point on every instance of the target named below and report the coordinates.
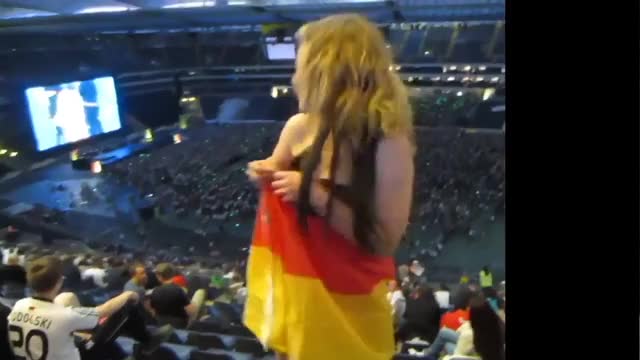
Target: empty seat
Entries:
(205, 341)
(182, 351)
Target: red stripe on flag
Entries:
(321, 253)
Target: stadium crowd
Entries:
(459, 177)
(115, 307)
(191, 309)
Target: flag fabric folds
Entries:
(315, 295)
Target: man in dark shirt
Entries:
(169, 302)
(117, 274)
(5, 348)
(71, 273)
(13, 278)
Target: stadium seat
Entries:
(126, 344)
(164, 352)
(205, 341)
(250, 346)
(208, 355)
(182, 351)
(240, 330)
(225, 312)
(208, 326)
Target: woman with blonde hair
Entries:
(335, 201)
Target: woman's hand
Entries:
(260, 170)
(287, 184)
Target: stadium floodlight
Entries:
(427, 52)
(398, 67)
(453, 67)
(104, 9)
(495, 79)
(96, 167)
(467, 68)
(479, 78)
(451, 78)
(410, 78)
(190, 4)
(13, 154)
(482, 68)
(459, 93)
(503, 70)
(436, 78)
(3, 151)
(274, 92)
(466, 78)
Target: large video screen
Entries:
(283, 49)
(73, 111)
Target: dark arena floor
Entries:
(101, 210)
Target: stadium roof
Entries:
(134, 15)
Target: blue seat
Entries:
(126, 344)
(205, 355)
(206, 326)
(205, 341)
(240, 330)
(182, 351)
(250, 346)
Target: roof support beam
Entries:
(34, 5)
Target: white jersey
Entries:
(42, 330)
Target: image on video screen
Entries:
(70, 112)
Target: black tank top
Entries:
(340, 191)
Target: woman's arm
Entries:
(393, 193)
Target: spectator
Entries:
(95, 273)
(487, 331)
(181, 281)
(117, 274)
(13, 278)
(464, 279)
(138, 280)
(169, 302)
(397, 301)
(482, 337)
(454, 319)
(71, 273)
(417, 273)
(442, 296)
(486, 279)
(422, 316)
(54, 324)
(5, 348)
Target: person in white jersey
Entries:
(39, 329)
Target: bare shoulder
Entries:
(296, 123)
(295, 129)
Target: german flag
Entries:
(315, 295)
